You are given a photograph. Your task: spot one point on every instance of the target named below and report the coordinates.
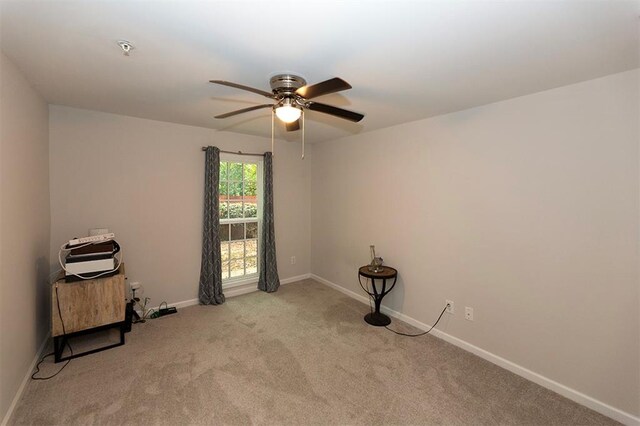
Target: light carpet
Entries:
(300, 356)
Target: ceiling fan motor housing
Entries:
(286, 83)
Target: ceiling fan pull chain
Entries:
(273, 113)
(303, 135)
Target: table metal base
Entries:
(377, 319)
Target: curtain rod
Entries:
(204, 148)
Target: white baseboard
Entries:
(572, 394)
(294, 279)
(352, 294)
(239, 289)
(27, 376)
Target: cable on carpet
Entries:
(64, 335)
(424, 332)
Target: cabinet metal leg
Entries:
(59, 342)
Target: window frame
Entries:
(259, 162)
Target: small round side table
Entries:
(386, 273)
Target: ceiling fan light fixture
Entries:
(288, 113)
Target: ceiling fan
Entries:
(291, 95)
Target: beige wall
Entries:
(526, 210)
(143, 180)
(24, 228)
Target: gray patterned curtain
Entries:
(268, 280)
(210, 291)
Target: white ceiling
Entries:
(406, 60)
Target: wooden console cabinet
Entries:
(86, 306)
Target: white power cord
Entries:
(64, 248)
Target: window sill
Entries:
(238, 282)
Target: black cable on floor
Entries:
(53, 375)
(64, 334)
(424, 332)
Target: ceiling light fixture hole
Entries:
(126, 46)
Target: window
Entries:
(240, 181)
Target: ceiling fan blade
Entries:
(240, 86)
(324, 88)
(240, 111)
(292, 127)
(338, 112)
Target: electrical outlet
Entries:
(293, 260)
(135, 285)
(468, 313)
(450, 307)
